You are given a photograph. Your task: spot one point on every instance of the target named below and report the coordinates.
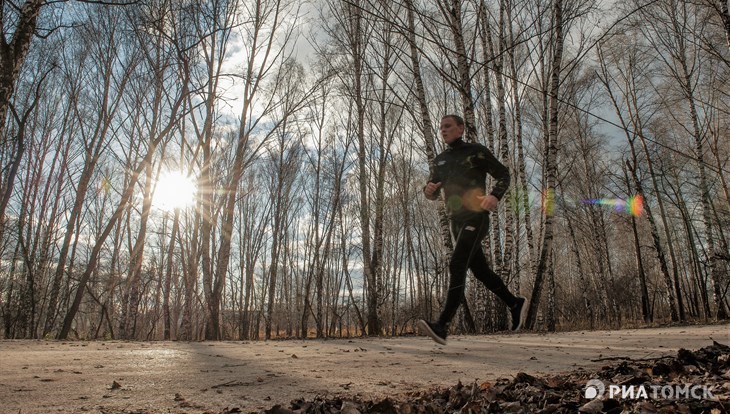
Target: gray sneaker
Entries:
(434, 330)
(518, 313)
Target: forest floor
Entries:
(243, 377)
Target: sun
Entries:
(175, 189)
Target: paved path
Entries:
(200, 377)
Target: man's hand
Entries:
(430, 190)
(488, 202)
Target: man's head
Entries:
(452, 128)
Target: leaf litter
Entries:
(708, 368)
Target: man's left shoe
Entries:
(518, 313)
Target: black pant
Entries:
(469, 232)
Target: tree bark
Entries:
(506, 259)
(646, 312)
(425, 122)
(13, 54)
(550, 167)
(726, 19)
(131, 296)
(453, 16)
(520, 200)
(714, 252)
(581, 273)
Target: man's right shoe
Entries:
(518, 313)
(434, 330)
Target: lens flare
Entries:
(634, 205)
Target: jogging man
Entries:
(461, 171)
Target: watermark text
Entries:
(597, 389)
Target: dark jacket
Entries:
(462, 170)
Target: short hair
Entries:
(459, 120)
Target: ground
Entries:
(226, 377)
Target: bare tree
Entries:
(635, 123)
(267, 24)
(285, 153)
(94, 132)
(325, 162)
(670, 23)
(174, 99)
(213, 22)
(550, 167)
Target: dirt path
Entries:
(180, 377)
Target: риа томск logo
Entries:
(595, 388)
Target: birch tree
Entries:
(672, 24)
(550, 167)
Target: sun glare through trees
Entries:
(175, 189)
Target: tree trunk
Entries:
(670, 243)
(425, 125)
(506, 259)
(726, 19)
(639, 127)
(356, 32)
(11, 302)
(520, 201)
(550, 168)
(167, 317)
(190, 277)
(82, 188)
(131, 296)
(385, 140)
(581, 273)
(700, 279)
(714, 252)
(551, 319)
(485, 35)
(277, 234)
(12, 173)
(646, 312)
(13, 54)
(488, 53)
(28, 294)
(453, 16)
(94, 146)
(26, 298)
(657, 247)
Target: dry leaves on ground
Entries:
(707, 369)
